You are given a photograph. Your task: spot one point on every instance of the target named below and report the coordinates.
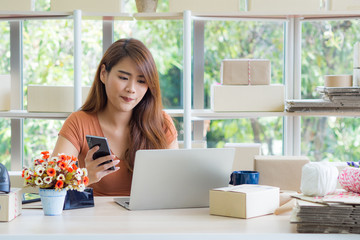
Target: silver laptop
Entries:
(177, 178)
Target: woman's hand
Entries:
(96, 172)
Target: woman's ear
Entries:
(103, 73)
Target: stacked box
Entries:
(244, 155)
(10, 205)
(52, 98)
(87, 5)
(5, 92)
(244, 201)
(17, 5)
(281, 171)
(343, 5)
(245, 72)
(258, 98)
(210, 6)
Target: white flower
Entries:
(47, 179)
(79, 172)
(54, 159)
(39, 169)
(27, 174)
(85, 172)
(78, 177)
(38, 181)
(57, 168)
(61, 177)
(44, 164)
(81, 187)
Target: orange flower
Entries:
(86, 180)
(62, 165)
(70, 170)
(59, 184)
(45, 152)
(23, 173)
(73, 158)
(74, 166)
(46, 156)
(62, 157)
(51, 172)
(51, 162)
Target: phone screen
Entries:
(104, 149)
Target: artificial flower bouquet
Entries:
(57, 173)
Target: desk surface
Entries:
(109, 218)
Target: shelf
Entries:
(11, 15)
(207, 114)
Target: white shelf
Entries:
(159, 16)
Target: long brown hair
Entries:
(147, 125)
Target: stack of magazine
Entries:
(336, 213)
(334, 99)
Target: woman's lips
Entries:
(127, 99)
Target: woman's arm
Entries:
(64, 146)
(174, 145)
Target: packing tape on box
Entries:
(318, 179)
(338, 81)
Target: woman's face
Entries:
(125, 85)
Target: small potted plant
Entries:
(54, 176)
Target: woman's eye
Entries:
(141, 81)
(123, 78)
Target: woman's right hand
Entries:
(96, 171)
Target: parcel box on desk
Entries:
(245, 72)
(52, 98)
(87, 5)
(281, 171)
(5, 92)
(210, 6)
(10, 205)
(259, 98)
(244, 201)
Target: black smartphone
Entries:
(104, 149)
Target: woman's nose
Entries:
(130, 88)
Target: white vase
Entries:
(52, 201)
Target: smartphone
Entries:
(104, 149)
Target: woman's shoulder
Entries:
(81, 115)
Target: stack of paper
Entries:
(334, 99)
(337, 213)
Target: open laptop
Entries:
(177, 178)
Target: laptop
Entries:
(177, 178)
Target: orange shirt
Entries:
(77, 126)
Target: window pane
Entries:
(327, 49)
(5, 142)
(267, 131)
(39, 135)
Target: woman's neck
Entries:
(115, 119)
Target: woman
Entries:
(123, 105)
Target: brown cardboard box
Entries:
(245, 72)
(281, 171)
(244, 155)
(87, 5)
(258, 98)
(285, 6)
(53, 98)
(17, 5)
(211, 6)
(10, 205)
(244, 201)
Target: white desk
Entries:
(108, 218)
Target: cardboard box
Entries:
(17, 5)
(5, 92)
(343, 5)
(104, 6)
(210, 6)
(52, 98)
(284, 6)
(259, 98)
(10, 205)
(281, 171)
(245, 72)
(244, 201)
(244, 155)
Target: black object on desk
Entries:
(75, 199)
